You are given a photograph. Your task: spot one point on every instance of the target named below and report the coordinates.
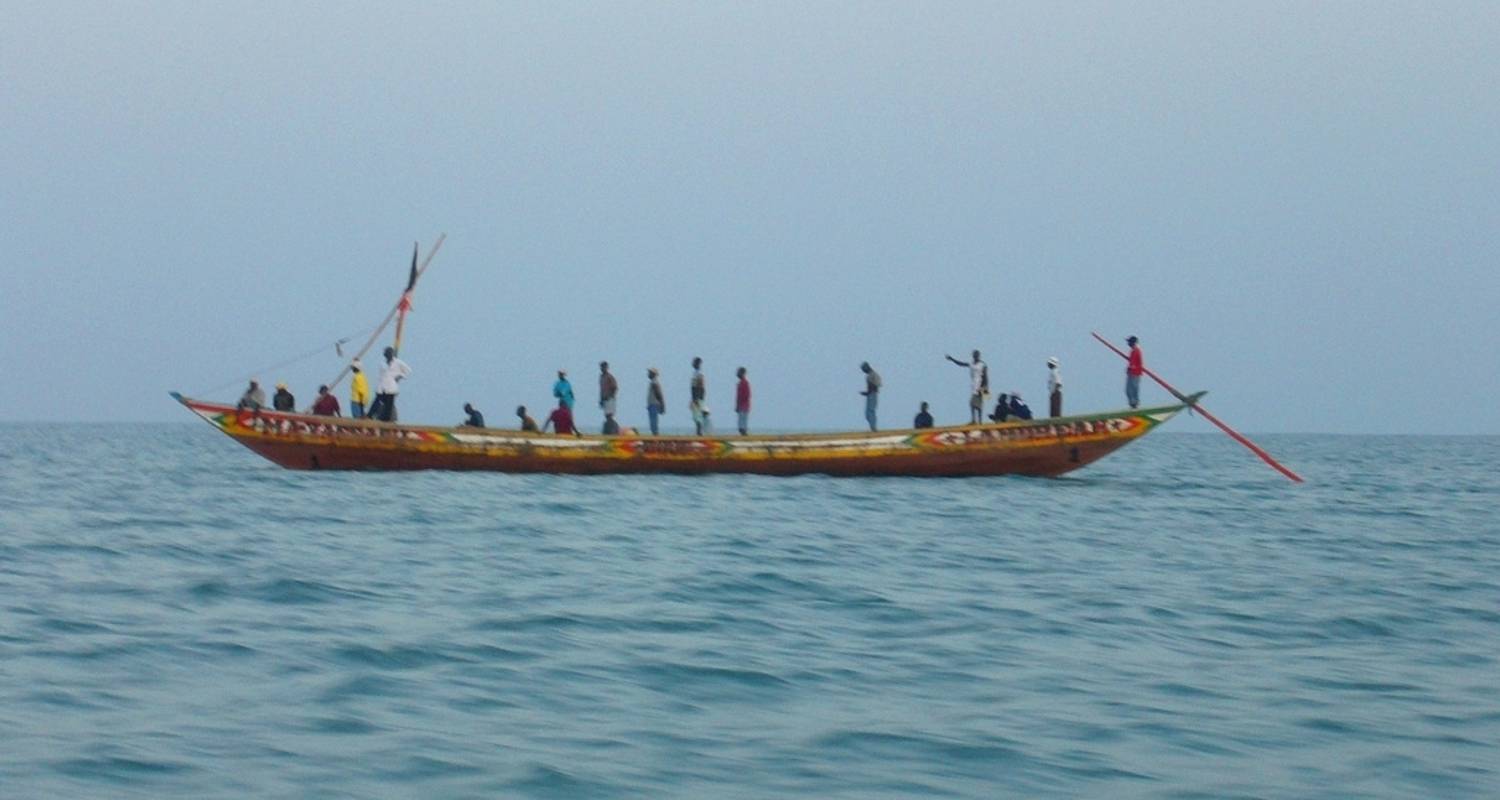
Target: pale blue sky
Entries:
(1296, 206)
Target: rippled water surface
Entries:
(179, 618)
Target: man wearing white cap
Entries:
(1054, 387)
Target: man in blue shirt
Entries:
(563, 390)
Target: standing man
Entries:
(1133, 369)
(742, 401)
(979, 385)
(1054, 387)
(563, 390)
(609, 389)
(359, 389)
(656, 400)
(871, 392)
(699, 389)
(387, 386)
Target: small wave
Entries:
(392, 658)
(294, 591)
(119, 768)
(363, 686)
(82, 549)
(909, 747)
(541, 780)
(527, 623)
(61, 699)
(678, 674)
(341, 726)
(73, 626)
(1378, 687)
(1178, 689)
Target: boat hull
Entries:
(1045, 448)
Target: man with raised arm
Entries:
(979, 385)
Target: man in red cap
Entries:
(1133, 370)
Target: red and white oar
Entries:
(1233, 434)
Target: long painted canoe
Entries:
(1042, 447)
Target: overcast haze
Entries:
(1295, 205)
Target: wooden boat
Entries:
(1043, 447)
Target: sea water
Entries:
(179, 618)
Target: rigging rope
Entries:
(337, 346)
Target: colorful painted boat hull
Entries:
(1046, 447)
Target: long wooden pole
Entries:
(404, 304)
(1233, 434)
(404, 299)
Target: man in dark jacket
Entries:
(283, 399)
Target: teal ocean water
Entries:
(181, 619)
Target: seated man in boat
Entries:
(1002, 408)
(254, 398)
(924, 419)
(561, 419)
(1018, 407)
(283, 399)
(527, 423)
(326, 405)
(611, 427)
(474, 418)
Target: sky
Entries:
(1295, 206)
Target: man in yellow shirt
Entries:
(359, 390)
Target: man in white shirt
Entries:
(391, 375)
(979, 385)
(1054, 387)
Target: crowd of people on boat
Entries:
(1008, 405)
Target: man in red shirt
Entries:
(561, 419)
(326, 405)
(1133, 370)
(742, 401)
